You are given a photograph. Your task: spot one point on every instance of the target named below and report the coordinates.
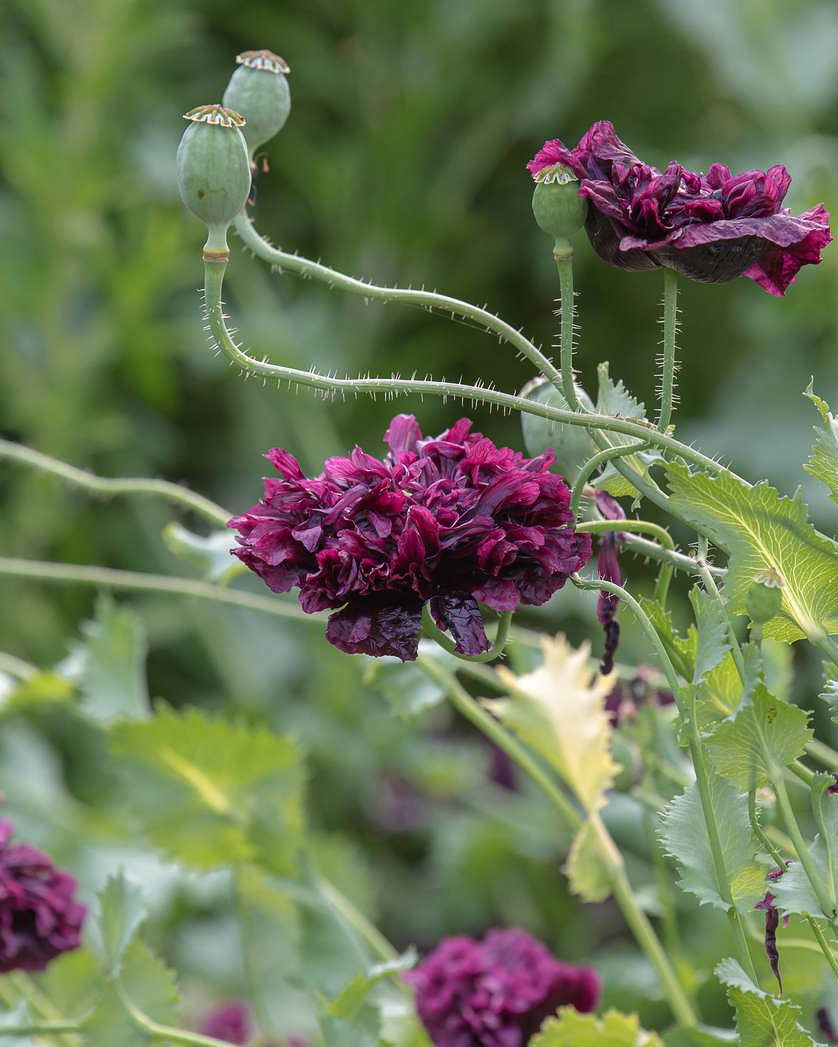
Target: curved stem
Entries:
(607, 454)
(42, 1029)
(826, 948)
(793, 829)
(213, 283)
(354, 918)
(166, 1033)
(111, 487)
(433, 632)
(670, 320)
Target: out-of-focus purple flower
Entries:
(229, 1022)
(502, 769)
(628, 695)
(825, 1026)
(39, 915)
(496, 992)
(445, 520)
(711, 227)
(608, 567)
(772, 922)
(399, 806)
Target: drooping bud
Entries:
(258, 90)
(558, 208)
(764, 597)
(571, 443)
(213, 172)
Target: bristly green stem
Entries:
(623, 893)
(607, 454)
(433, 632)
(793, 829)
(110, 487)
(563, 254)
(670, 321)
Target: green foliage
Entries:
(614, 398)
(823, 461)
(793, 889)
(763, 532)
(762, 1020)
(585, 867)
(209, 554)
(121, 912)
(572, 1029)
(353, 996)
(713, 642)
(213, 793)
(763, 738)
(683, 833)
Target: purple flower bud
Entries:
(772, 922)
(496, 992)
(711, 227)
(448, 520)
(39, 916)
(608, 567)
(230, 1022)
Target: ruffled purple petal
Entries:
(378, 628)
(460, 616)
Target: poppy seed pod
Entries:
(558, 208)
(213, 171)
(571, 444)
(258, 90)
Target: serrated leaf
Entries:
(762, 1020)
(823, 460)
(615, 400)
(121, 911)
(572, 1029)
(681, 650)
(559, 711)
(829, 694)
(72, 982)
(210, 553)
(355, 994)
(212, 793)
(585, 868)
(793, 891)
(400, 1024)
(721, 692)
(149, 985)
(15, 1018)
(764, 736)
(108, 666)
(713, 638)
(683, 833)
(762, 531)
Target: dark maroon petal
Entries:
(777, 267)
(460, 616)
(372, 626)
(402, 434)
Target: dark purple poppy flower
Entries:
(711, 227)
(608, 567)
(229, 1022)
(446, 520)
(39, 916)
(496, 992)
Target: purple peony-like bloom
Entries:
(496, 992)
(445, 520)
(39, 916)
(711, 227)
(229, 1022)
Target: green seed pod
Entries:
(764, 597)
(558, 208)
(571, 443)
(213, 171)
(258, 90)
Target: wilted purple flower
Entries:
(627, 695)
(448, 520)
(39, 916)
(608, 567)
(496, 992)
(711, 227)
(772, 922)
(229, 1022)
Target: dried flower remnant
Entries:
(39, 915)
(608, 568)
(445, 520)
(710, 227)
(496, 992)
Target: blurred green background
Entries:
(403, 161)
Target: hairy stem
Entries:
(433, 632)
(670, 318)
(607, 454)
(821, 891)
(563, 254)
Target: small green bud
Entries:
(258, 90)
(571, 443)
(764, 597)
(558, 208)
(213, 172)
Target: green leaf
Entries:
(829, 694)
(209, 553)
(763, 532)
(763, 737)
(585, 868)
(683, 834)
(572, 1029)
(559, 711)
(149, 986)
(721, 692)
(762, 1020)
(408, 689)
(615, 400)
(701, 1037)
(353, 996)
(823, 461)
(15, 1017)
(72, 982)
(400, 1025)
(121, 911)
(713, 638)
(680, 649)
(213, 793)
(793, 892)
(109, 665)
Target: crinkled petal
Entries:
(460, 615)
(377, 627)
